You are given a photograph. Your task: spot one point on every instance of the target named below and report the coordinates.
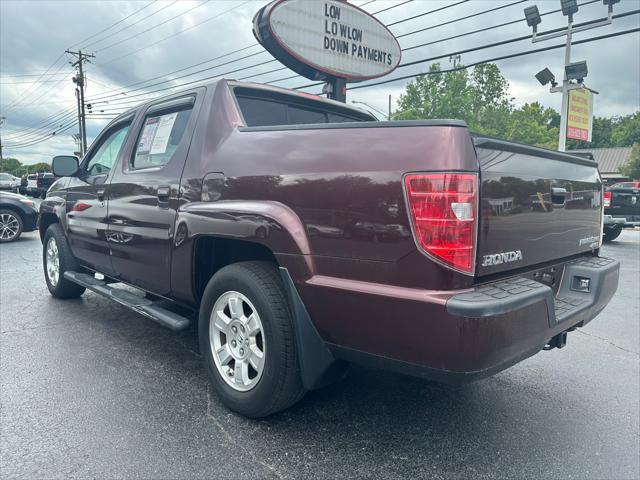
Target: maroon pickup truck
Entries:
(309, 236)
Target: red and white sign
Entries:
(327, 38)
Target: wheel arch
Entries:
(46, 219)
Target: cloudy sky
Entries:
(139, 44)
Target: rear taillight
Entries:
(443, 211)
(607, 199)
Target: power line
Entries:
(492, 27)
(392, 7)
(43, 74)
(44, 137)
(45, 126)
(112, 25)
(20, 100)
(483, 47)
(152, 28)
(181, 70)
(429, 12)
(461, 18)
(174, 34)
(244, 48)
(495, 59)
(130, 25)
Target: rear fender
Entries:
(268, 223)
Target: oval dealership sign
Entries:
(320, 39)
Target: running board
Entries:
(142, 305)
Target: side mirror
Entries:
(64, 165)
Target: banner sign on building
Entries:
(325, 39)
(580, 120)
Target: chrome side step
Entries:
(139, 304)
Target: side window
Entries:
(301, 115)
(335, 118)
(261, 113)
(160, 136)
(105, 156)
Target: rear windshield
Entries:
(262, 109)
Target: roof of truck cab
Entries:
(235, 83)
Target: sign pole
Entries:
(337, 89)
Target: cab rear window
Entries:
(263, 109)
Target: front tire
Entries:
(57, 259)
(10, 226)
(247, 340)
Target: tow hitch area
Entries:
(559, 341)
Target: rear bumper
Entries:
(624, 220)
(463, 336)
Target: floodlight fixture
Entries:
(569, 7)
(533, 16)
(576, 71)
(545, 76)
(610, 4)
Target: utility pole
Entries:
(80, 81)
(572, 71)
(2, 119)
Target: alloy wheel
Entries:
(53, 262)
(9, 226)
(236, 338)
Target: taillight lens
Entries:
(443, 210)
(607, 199)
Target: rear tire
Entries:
(611, 233)
(57, 259)
(254, 288)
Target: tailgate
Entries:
(624, 202)
(536, 206)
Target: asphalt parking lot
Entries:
(90, 389)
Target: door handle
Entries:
(100, 194)
(163, 194)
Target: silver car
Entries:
(8, 182)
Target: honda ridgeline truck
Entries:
(308, 236)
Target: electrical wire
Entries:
(503, 57)
(164, 7)
(101, 64)
(489, 45)
(111, 26)
(392, 7)
(152, 28)
(429, 12)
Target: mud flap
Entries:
(318, 366)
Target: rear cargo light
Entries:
(443, 210)
(607, 199)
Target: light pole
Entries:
(576, 71)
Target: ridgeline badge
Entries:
(323, 39)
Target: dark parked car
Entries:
(621, 208)
(17, 214)
(206, 200)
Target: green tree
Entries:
(632, 168)
(533, 124)
(10, 165)
(480, 98)
(626, 130)
(39, 167)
